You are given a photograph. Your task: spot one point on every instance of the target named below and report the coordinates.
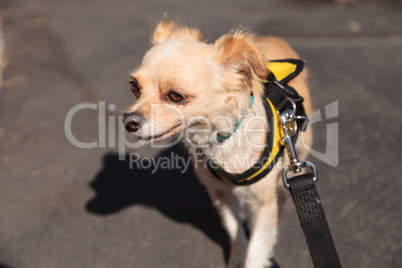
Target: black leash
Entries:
(313, 221)
(302, 187)
(305, 195)
(308, 202)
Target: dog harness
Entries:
(275, 100)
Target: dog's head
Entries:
(185, 83)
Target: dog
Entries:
(204, 92)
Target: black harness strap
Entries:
(241, 179)
(313, 221)
(278, 91)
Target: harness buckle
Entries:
(289, 125)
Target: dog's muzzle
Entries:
(132, 121)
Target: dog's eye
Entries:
(135, 88)
(176, 97)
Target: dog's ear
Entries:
(167, 29)
(239, 53)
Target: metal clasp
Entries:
(289, 125)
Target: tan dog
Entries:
(186, 86)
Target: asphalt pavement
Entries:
(64, 206)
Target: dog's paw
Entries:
(271, 263)
(236, 262)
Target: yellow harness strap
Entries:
(283, 71)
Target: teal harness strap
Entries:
(275, 99)
(263, 166)
(221, 137)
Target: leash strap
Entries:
(302, 187)
(313, 221)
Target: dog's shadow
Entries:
(175, 194)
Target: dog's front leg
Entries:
(263, 235)
(229, 209)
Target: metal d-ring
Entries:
(300, 165)
(289, 126)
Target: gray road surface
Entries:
(63, 206)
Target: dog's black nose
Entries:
(132, 122)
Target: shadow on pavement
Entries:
(181, 197)
(178, 196)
